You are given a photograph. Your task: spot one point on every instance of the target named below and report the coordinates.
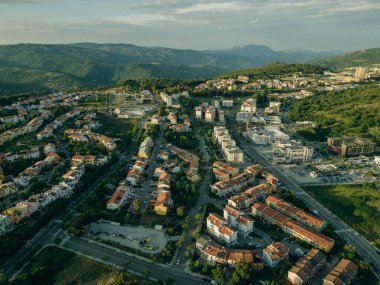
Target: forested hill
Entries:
(276, 68)
(357, 58)
(40, 67)
(349, 112)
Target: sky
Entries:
(318, 25)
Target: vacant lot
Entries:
(357, 205)
(54, 266)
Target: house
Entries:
(146, 147)
(119, 197)
(7, 189)
(342, 274)
(133, 176)
(274, 253)
(238, 220)
(307, 267)
(223, 171)
(233, 185)
(163, 203)
(49, 148)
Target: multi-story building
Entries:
(228, 103)
(146, 147)
(307, 267)
(233, 185)
(361, 73)
(214, 253)
(296, 213)
(274, 253)
(210, 114)
(249, 106)
(238, 220)
(224, 171)
(342, 274)
(350, 146)
(292, 227)
(218, 227)
(274, 108)
(198, 113)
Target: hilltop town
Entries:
(188, 186)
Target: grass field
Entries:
(357, 205)
(54, 266)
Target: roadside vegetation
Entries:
(55, 266)
(357, 205)
(349, 112)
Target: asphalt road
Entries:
(363, 246)
(118, 257)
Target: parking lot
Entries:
(147, 240)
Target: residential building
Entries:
(214, 253)
(274, 108)
(296, 213)
(249, 106)
(342, 274)
(307, 267)
(228, 103)
(274, 253)
(361, 73)
(233, 185)
(223, 171)
(7, 189)
(146, 147)
(198, 113)
(163, 203)
(238, 220)
(350, 146)
(292, 227)
(218, 227)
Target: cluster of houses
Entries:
(94, 160)
(172, 100)
(294, 221)
(162, 200)
(82, 135)
(49, 129)
(297, 95)
(12, 119)
(214, 253)
(12, 216)
(125, 191)
(235, 222)
(231, 151)
(210, 113)
(310, 265)
(179, 125)
(51, 157)
(22, 154)
(39, 102)
(30, 127)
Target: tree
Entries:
(242, 274)
(136, 205)
(169, 281)
(3, 279)
(218, 274)
(180, 211)
(146, 272)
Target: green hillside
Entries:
(276, 68)
(356, 58)
(349, 112)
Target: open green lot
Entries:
(55, 266)
(357, 205)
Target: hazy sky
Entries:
(197, 24)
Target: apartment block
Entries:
(307, 267)
(292, 227)
(350, 146)
(296, 213)
(342, 274)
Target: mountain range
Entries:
(43, 67)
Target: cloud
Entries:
(213, 7)
(23, 1)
